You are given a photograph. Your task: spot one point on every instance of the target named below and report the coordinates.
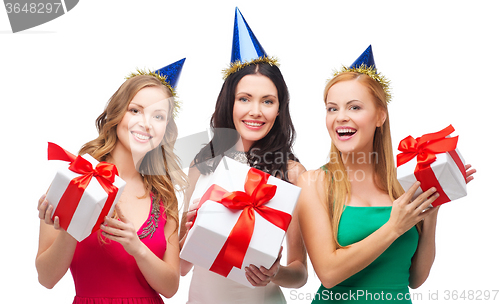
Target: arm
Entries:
(55, 248)
(426, 251)
(423, 259)
(161, 274)
(187, 217)
(294, 274)
(334, 265)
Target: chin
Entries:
(140, 152)
(345, 149)
(252, 136)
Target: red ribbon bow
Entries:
(104, 173)
(425, 149)
(257, 194)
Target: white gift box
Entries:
(91, 203)
(214, 222)
(445, 169)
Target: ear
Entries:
(381, 117)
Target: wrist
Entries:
(182, 241)
(392, 231)
(430, 222)
(275, 275)
(141, 251)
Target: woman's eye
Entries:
(244, 99)
(160, 117)
(355, 107)
(134, 111)
(268, 102)
(331, 109)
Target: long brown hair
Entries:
(336, 180)
(162, 174)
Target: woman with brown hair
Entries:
(134, 257)
(251, 124)
(365, 237)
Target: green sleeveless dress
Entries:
(385, 280)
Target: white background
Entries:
(442, 58)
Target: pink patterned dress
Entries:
(104, 273)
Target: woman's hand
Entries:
(191, 213)
(468, 173)
(262, 276)
(55, 246)
(189, 220)
(45, 210)
(406, 213)
(123, 232)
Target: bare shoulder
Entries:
(193, 172)
(312, 178)
(295, 169)
(193, 176)
(312, 183)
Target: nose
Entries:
(255, 109)
(145, 122)
(342, 116)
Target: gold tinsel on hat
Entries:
(238, 65)
(370, 71)
(163, 80)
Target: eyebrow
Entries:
(349, 102)
(142, 107)
(245, 93)
(136, 104)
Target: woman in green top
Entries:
(358, 224)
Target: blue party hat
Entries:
(169, 76)
(366, 58)
(365, 64)
(246, 48)
(171, 72)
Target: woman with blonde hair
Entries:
(365, 237)
(134, 256)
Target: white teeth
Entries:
(141, 137)
(254, 124)
(343, 131)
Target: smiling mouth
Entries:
(141, 137)
(253, 123)
(346, 132)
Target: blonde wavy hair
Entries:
(162, 174)
(336, 179)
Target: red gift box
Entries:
(83, 192)
(434, 160)
(242, 219)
